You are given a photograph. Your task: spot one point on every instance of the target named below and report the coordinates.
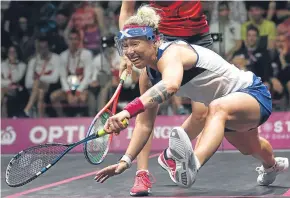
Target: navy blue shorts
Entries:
(261, 93)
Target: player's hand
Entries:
(125, 64)
(110, 171)
(114, 124)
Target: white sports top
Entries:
(216, 79)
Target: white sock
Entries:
(197, 162)
(168, 153)
(142, 170)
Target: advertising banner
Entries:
(18, 134)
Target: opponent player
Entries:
(237, 101)
(179, 20)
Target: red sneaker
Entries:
(167, 164)
(142, 184)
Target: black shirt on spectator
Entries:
(259, 61)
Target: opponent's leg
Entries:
(249, 143)
(195, 123)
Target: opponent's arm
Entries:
(127, 10)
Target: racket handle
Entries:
(102, 132)
(123, 75)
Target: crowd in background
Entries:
(58, 58)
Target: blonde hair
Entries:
(146, 15)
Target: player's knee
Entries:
(217, 108)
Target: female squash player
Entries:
(179, 20)
(237, 102)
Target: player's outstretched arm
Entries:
(143, 127)
(171, 68)
(144, 122)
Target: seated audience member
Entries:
(230, 30)
(278, 11)
(92, 35)
(177, 107)
(238, 11)
(105, 70)
(43, 70)
(106, 77)
(256, 59)
(23, 37)
(12, 72)
(284, 28)
(61, 20)
(89, 21)
(267, 28)
(75, 74)
(281, 62)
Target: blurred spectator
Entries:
(283, 50)
(5, 38)
(178, 106)
(49, 29)
(106, 77)
(43, 70)
(89, 21)
(75, 74)
(256, 59)
(61, 20)
(23, 37)
(281, 62)
(105, 66)
(284, 28)
(278, 11)
(230, 30)
(12, 72)
(237, 12)
(266, 28)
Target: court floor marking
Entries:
(287, 193)
(61, 182)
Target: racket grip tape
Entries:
(123, 75)
(102, 132)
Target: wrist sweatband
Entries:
(126, 159)
(135, 107)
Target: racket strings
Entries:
(32, 161)
(97, 148)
